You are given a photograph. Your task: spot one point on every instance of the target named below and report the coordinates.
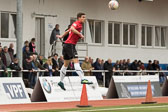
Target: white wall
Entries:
(153, 13)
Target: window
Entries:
(114, 33)
(110, 33)
(146, 35)
(4, 25)
(126, 30)
(129, 34)
(149, 36)
(125, 34)
(154, 36)
(95, 27)
(7, 25)
(160, 36)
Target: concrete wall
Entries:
(131, 11)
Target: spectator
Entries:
(26, 44)
(2, 67)
(86, 65)
(55, 64)
(134, 65)
(54, 37)
(40, 59)
(54, 34)
(142, 67)
(71, 67)
(102, 63)
(11, 49)
(36, 66)
(1, 51)
(26, 53)
(156, 65)
(150, 67)
(97, 66)
(49, 67)
(121, 64)
(108, 66)
(7, 57)
(66, 37)
(60, 62)
(27, 65)
(127, 65)
(117, 67)
(32, 45)
(15, 66)
(91, 61)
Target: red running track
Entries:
(69, 105)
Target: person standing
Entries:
(66, 36)
(54, 37)
(69, 50)
(7, 57)
(32, 46)
(108, 66)
(86, 65)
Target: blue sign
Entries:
(14, 90)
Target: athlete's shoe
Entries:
(61, 85)
(85, 81)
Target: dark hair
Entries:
(56, 25)
(26, 42)
(55, 54)
(80, 15)
(33, 39)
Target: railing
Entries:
(141, 72)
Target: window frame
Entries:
(160, 38)
(113, 23)
(102, 28)
(154, 36)
(129, 34)
(121, 32)
(9, 25)
(152, 31)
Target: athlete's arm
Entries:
(63, 35)
(76, 32)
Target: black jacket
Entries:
(15, 66)
(53, 35)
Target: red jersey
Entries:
(73, 38)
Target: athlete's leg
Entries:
(63, 73)
(78, 69)
(63, 70)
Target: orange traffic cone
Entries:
(84, 98)
(149, 99)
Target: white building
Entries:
(137, 30)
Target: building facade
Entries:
(137, 30)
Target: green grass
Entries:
(134, 108)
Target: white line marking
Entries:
(122, 108)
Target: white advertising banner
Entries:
(136, 86)
(152, 78)
(53, 93)
(12, 91)
(133, 86)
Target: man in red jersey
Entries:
(69, 50)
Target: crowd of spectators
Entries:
(32, 61)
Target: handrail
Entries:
(103, 72)
(121, 71)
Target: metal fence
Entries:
(122, 72)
